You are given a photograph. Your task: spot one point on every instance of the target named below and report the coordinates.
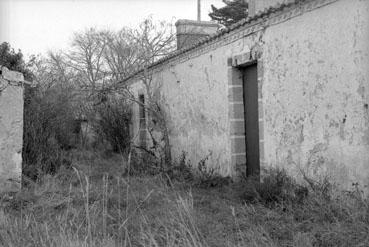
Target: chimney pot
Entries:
(190, 32)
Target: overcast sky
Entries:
(35, 26)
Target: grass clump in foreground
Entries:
(96, 205)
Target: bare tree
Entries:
(145, 45)
(157, 121)
(86, 57)
(131, 49)
(121, 55)
(99, 60)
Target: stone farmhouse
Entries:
(287, 87)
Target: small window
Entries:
(142, 114)
(142, 120)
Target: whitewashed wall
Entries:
(314, 93)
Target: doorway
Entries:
(251, 116)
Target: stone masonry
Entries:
(11, 129)
(312, 60)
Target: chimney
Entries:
(190, 32)
(259, 5)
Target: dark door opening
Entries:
(250, 97)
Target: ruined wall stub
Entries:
(11, 129)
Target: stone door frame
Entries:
(236, 109)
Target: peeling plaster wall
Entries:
(313, 99)
(194, 95)
(316, 93)
(11, 137)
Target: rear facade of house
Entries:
(287, 87)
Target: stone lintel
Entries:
(242, 59)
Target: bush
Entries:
(277, 187)
(208, 177)
(48, 117)
(48, 131)
(182, 169)
(141, 164)
(113, 124)
(14, 61)
(144, 163)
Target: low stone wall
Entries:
(11, 129)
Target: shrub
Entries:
(142, 163)
(208, 177)
(14, 61)
(113, 123)
(48, 131)
(181, 169)
(277, 187)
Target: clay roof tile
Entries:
(248, 20)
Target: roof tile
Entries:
(248, 20)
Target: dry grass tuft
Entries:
(96, 205)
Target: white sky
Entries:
(35, 26)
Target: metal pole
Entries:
(198, 10)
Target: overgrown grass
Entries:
(96, 204)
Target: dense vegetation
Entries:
(78, 101)
(14, 60)
(100, 204)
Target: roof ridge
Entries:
(248, 20)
